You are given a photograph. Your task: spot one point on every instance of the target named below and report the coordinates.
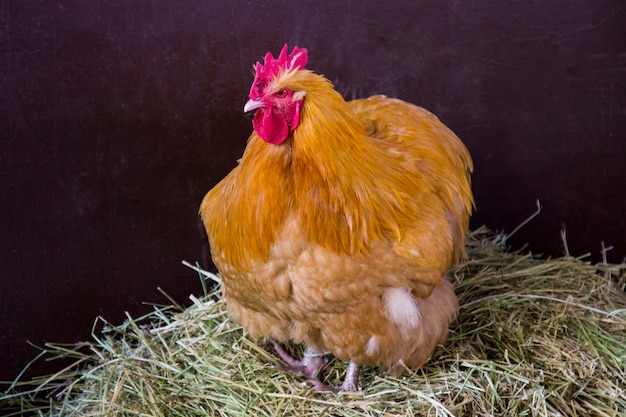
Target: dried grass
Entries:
(534, 337)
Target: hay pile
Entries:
(534, 337)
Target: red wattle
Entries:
(270, 126)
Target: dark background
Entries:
(117, 117)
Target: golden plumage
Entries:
(341, 236)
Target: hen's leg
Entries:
(311, 362)
(310, 365)
(313, 359)
(351, 380)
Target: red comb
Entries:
(272, 67)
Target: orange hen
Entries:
(338, 226)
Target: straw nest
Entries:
(534, 337)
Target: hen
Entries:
(338, 226)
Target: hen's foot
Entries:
(310, 366)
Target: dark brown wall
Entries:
(116, 118)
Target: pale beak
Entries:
(252, 105)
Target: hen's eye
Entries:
(282, 93)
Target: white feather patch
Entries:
(402, 309)
(298, 95)
(371, 348)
